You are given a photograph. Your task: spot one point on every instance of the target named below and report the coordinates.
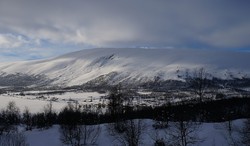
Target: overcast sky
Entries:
(32, 29)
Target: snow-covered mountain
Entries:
(127, 65)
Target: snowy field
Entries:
(210, 134)
(38, 99)
(35, 101)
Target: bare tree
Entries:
(116, 108)
(245, 133)
(162, 117)
(70, 135)
(126, 132)
(116, 99)
(198, 82)
(184, 133)
(9, 118)
(229, 122)
(90, 134)
(50, 114)
(132, 135)
(13, 113)
(13, 139)
(73, 129)
(27, 119)
(78, 135)
(232, 135)
(159, 139)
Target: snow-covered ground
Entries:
(33, 105)
(132, 65)
(36, 102)
(215, 134)
(210, 134)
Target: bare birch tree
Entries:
(78, 135)
(132, 135)
(198, 82)
(184, 133)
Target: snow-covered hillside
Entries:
(131, 65)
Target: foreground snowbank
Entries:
(209, 134)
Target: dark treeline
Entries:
(211, 111)
(80, 124)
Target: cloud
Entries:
(29, 53)
(81, 22)
(119, 23)
(229, 37)
(12, 41)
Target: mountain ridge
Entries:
(131, 65)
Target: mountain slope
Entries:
(131, 65)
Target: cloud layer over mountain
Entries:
(48, 27)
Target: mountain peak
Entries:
(132, 65)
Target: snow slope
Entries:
(132, 65)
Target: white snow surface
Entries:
(215, 134)
(36, 103)
(133, 64)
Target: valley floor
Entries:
(208, 134)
